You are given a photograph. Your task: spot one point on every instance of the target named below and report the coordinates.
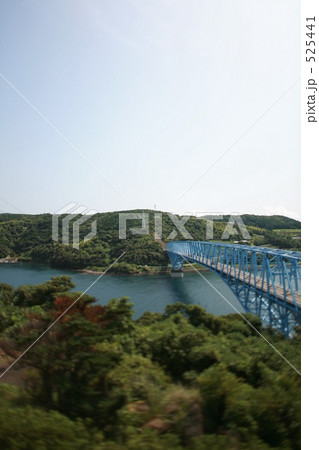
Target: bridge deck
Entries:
(249, 279)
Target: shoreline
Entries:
(151, 272)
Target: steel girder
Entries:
(266, 281)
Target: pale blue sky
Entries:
(151, 93)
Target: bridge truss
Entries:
(266, 281)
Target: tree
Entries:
(29, 295)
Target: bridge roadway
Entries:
(248, 279)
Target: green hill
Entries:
(267, 222)
(29, 237)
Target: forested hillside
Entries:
(29, 237)
(267, 222)
(100, 380)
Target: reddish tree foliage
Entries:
(92, 313)
(63, 303)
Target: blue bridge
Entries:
(266, 281)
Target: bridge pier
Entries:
(177, 262)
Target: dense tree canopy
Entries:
(100, 380)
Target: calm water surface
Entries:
(147, 292)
